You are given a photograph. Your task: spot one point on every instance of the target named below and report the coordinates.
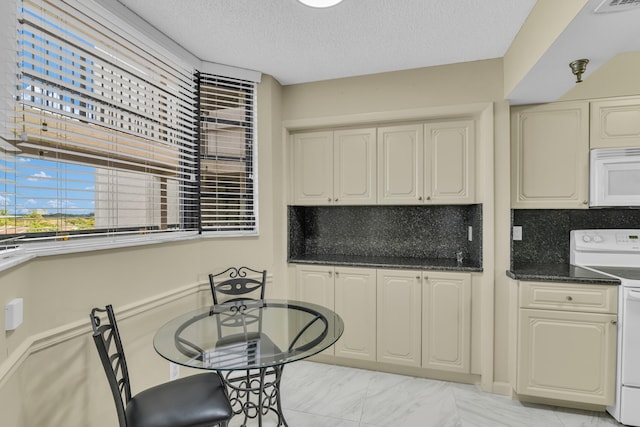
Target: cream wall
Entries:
(620, 76)
(49, 369)
(425, 94)
(438, 88)
(51, 358)
(457, 84)
(547, 20)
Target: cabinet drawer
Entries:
(570, 297)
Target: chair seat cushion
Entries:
(193, 401)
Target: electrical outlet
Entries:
(174, 371)
(517, 232)
(470, 234)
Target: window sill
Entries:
(34, 250)
(223, 235)
(15, 257)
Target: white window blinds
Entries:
(103, 133)
(228, 199)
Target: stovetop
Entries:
(626, 273)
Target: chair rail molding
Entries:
(49, 338)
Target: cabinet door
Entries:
(400, 164)
(550, 156)
(313, 168)
(449, 162)
(446, 321)
(615, 123)
(567, 355)
(399, 316)
(354, 167)
(355, 298)
(315, 285)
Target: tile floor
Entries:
(320, 395)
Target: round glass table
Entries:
(248, 342)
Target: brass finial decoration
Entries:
(578, 67)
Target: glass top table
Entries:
(255, 336)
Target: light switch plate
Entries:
(13, 314)
(174, 371)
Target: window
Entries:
(102, 136)
(227, 152)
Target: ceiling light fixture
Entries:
(320, 3)
(578, 67)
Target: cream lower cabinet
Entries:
(399, 317)
(315, 285)
(351, 292)
(355, 302)
(550, 156)
(446, 321)
(566, 347)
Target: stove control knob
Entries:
(586, 238)
(597, 239)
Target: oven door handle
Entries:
(635, 295)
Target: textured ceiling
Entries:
(298, 44)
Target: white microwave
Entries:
(614, 177)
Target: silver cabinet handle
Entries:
(614, 322)
(329, 200)
(330, 274)
(335, 200)
(337, 273)
(420, 198)
(428, 197)
(569, 298)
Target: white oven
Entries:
(616, 253)
(614, 177)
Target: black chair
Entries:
(198, 400)
(234, 282)
(242, 283)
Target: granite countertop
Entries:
(444, 264)
(559, 273)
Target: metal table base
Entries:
(253, 393)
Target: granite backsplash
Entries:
(545, 232)
(386, 231)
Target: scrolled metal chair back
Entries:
(234, 282)
(109, 345)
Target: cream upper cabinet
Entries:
(313, 168)
(355, 302)
(446, 321)
(615, 123)
(449, 162)
(351, 292)
(550, 156)
(566, 342)
(334, 167)
(427, 163)
(399, 317)
(354, 167)
(400, 164)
